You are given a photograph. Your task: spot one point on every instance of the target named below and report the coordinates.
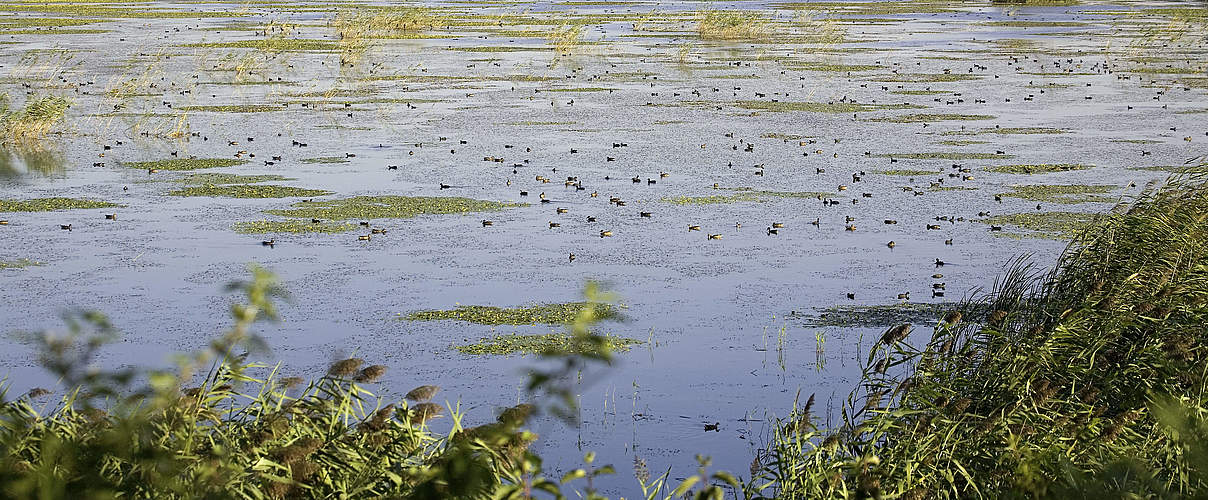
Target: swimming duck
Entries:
(816, 222)
(694, 228)
(268, 243)
(644, 214)
(65, 227)
(364, 237)
(110, 216)
(772, 231)
(486, 223)
(572, 257)
(605, 234)
(715, 236)
(554, 224)
(560, 210)
(591, 218)
(892, 244)
(777, 225)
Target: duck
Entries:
(572, 257)
(110, 216)
(948, 241)
(377, 231)
(694, 228)
(890, 221)
(595, 194)
(932, 227)
(772, 231)
(591, 218)
(816, 222)
(851, 296)
(65, 227)
(891, 244)
(714, 237)
(365, 223)
(316, 221)
(645, 214)
(605, 233)
(553, 224)
(486, 223)
(364, 237)
(939, 263)
(3, 222)
(268, 243)
(904, 296)
(560, 210)
(777, 225)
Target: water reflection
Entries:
(23, 162)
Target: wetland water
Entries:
(956, 118)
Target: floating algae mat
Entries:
(52, 204)
(247, 191)
(952, 155)
(549, 314)
(821, 107)
(1049, 225)
(220, 178)
(185, 163)
(878, 315)
(742, 195)
(18, 264)
(931, 117)
(290, 226)
(503, 345)
(1062, 193)
(388, 207)
(1046, 168)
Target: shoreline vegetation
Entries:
(1082, 380)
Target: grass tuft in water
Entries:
(549, 314)
(1062, 193)
(388, 207)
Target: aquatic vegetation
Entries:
(247, 191)
(1062, 193)
(1045, 168)
(921, 92)
(906, 172)
(19, 264)
(232, 108)
(821, 107)
(927, 78)
(184, 163)
(742, 194)
(1010, 131)
(290, 226)
(33, 121)
(388, 207)
(950, 142)
(1051, 225)
(731, 25)
(272, 45)
(326, 160)
(550, 314)
(503, 345)
(877, 315)
(930, 117)
(946, 155)
(221, 178)
(52, 204)
(566, 39)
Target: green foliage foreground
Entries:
(1085, 382)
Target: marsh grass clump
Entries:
(247, 191)
(33, 122)
(184, 163)
(548, 314)
(946, 155)
(52, 204)
(732, 25)
(1086, 378)
(931, 117)
(1044, 168)
(222, 178)
(877, 315)
(503, 345)
(1062, 193)
(388, 207)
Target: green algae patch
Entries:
(905, 172)
(52, 204)
(185, 163)
(232, 108)
(19, 264)
(323, 160)
(921, 92)
(580, 89)
(1009, 131)
(931, 117)
(547, 314)
(740, 195)
(946, 155)
(247, 191)
(503, 345)
(1046, 168)
(220, 178)
(1062, 193)
(821, 107)
(388, 207)
(959, 142)
(1046, 225)
(929, 78)
(951, 188)
(272, 45)
(878, 315)
(290, 226)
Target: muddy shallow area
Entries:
(947, 113)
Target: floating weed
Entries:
(946, 155)
(951, 188)
(19, 264)
(921, 92)
(549, 314)
(1062, 193)
(877, 315)
(743, 194)
(1046, 168)
(503, 345)
(290, 226)
(957, 142)
(232, 108)
(928, 78)
(325, 160)
(1136, 141)
(931, 117)
(247, 191)
(821, 107)
(52, 204)
(906, 172)
(185, 163)
(272, 45)
(388, 207)
(220, 178)
(1050, 225)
